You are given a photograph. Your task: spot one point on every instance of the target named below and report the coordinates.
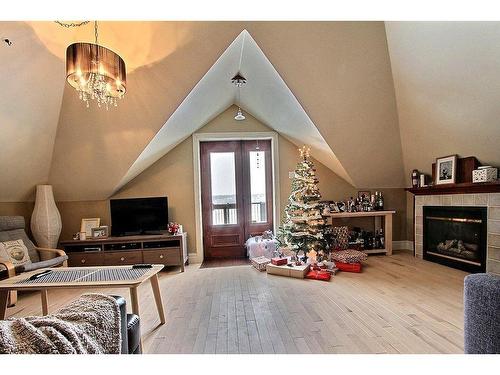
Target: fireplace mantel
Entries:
(462, 188)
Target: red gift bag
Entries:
(319, 275)
(348, 267)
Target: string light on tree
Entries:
(303, 226)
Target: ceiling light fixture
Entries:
(95, 72)
(239, 115)
(238, 80)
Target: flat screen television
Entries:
(138, 216)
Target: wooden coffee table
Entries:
(85, 278)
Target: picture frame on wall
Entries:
(100, 232)
(446, 170)
(89, 223)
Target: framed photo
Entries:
(365, 193)
(446, 170)
(88, 224)
(100, 232)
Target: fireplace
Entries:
(455, 236)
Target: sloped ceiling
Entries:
(447, 82)
(339, 73)
(30, 101)
(265, 95)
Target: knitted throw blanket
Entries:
(89, 325)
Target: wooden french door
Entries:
(236, 195)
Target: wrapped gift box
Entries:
(260, 263)
(279, 261)
(318, 275)
(348, 267)
(484, 175)
(348, 256)
(298, 272)
(331, 270)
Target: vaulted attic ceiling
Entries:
(265, 96)
(340, 74)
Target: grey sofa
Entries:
(482, 314)
(12, 228)
(131, 329)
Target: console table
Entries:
(378, 215)
(169, 250)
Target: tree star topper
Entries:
(305, 152)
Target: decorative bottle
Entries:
(379, 201)
(414, 178)
(382, 238)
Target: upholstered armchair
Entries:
(11, 229)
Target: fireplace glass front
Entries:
(456, 237)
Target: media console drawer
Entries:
(122, 257)
(169, 256)
(85, 259)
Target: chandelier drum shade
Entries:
(96, 73)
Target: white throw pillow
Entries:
(15, 252)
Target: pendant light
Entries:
(95, 72)
(239, 115)
(238, 80)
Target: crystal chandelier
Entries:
(96, 72)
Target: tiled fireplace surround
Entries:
(489, 200)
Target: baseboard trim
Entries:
(194, 258)
(402, 245)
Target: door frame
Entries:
(233, 136)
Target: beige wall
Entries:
(173, 176)
(446, 82)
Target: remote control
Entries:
(40, 274)
(142, 266)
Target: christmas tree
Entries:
(303, 225)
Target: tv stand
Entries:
(166, 249)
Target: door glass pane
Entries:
(223, 182)
(258, 186)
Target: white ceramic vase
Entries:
(46, 222)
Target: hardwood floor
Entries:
(224, 262)
(398, 304)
